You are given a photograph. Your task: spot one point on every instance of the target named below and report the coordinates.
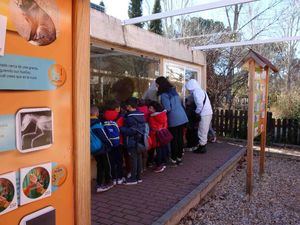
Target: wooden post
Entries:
(264, 132)
(81, 116)
(249, 182)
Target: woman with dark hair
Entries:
(176, 117)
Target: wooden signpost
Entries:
(258, 68)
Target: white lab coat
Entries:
(199, 96)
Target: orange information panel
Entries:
(36, 146)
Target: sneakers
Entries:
(179, 162)
(130, 181)
(139, 180)
(173, 163)
(101, 188)
(201, 149)
(159, 169)
(120, 181)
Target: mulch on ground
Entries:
(146, 202)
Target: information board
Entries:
(259, 101)
(36, 108)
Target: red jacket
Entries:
(144, 109)
(157, 121)
(113, 115)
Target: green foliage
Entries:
(287, 105)
(156, 25)
(102, 7)
(135, 10)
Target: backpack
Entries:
(164, 136)
(142, 141)
(96, 145)
(113, 132)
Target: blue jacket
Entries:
(176, 113)
(134, 125)
(100, 133)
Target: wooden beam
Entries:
(249, 182)
(81, 109)
(264, 132)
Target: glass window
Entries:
(119, 75)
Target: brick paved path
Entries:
(144, 203)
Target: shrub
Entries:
(287, 105)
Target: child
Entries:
(157, 121)
(103, 166)
(113, 121)
(134, 124)
(142, 107)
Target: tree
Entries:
(103, 9)
(156, 25)
(135, 10)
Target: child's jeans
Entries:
(116, 162)
(103, 169)
(161, 155)
(136, 164)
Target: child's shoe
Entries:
(130, 181)
(110, 185)
(179, 162)
(101, 188)
(159, 169)
(120, 181)
(173, 163)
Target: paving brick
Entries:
(144, 203)
(119, 220)
(103, 221)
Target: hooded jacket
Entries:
(113, 115)
(199, 96)
(175, 111)
(134, 125)
(157, 121)
(100, 133)
(144, 109)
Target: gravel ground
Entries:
(275, 199)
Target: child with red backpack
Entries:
(159, 134)
(113, 120)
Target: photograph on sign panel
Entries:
(34, 129)
(35, 20)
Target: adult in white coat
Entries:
(203, 109)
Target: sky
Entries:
(119, 8)
(115, 8)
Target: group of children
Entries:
(125, 140)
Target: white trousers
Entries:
(203, 129)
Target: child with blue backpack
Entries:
(113, 120)
(100, 145)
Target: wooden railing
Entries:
(233, 124)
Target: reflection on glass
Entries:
(117, 75)
(190, 74)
